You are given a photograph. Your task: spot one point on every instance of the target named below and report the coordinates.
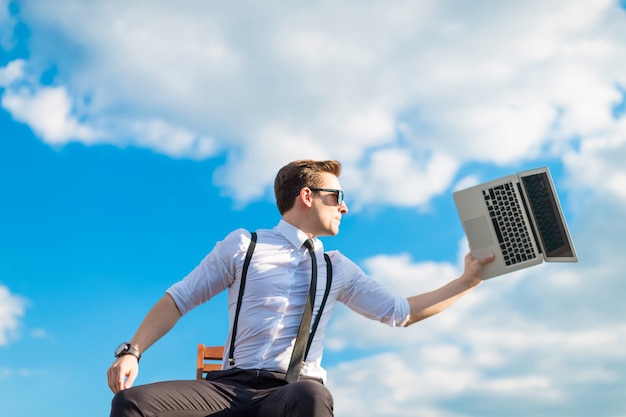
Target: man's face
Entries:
(325, 203)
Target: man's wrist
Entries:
(127, 349)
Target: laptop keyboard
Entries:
(506, 216)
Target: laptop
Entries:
(518, 218)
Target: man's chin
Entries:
(332, 232)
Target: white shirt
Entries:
(276, 290)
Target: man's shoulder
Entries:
(339, 259)
(239, 239)
(244, 234)
(235, 241)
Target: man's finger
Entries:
(130, 380)
(487, 259)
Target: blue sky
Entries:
(135, 135)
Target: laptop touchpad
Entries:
(478, 233)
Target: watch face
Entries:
(121, 349)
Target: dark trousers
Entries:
(235, 392)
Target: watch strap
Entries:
(129, 350)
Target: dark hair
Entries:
(299, 174)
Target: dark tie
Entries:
(297, 357)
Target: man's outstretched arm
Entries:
(159, 320)
(433, 302)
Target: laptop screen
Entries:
(548, 218)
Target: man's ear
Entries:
(306, 197)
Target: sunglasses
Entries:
(339, 193)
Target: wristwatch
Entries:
(126, 349)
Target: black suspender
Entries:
(244, 273)
(329, 281)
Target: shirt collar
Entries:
(296, 236)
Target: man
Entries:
(260, 379)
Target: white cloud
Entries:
(11, 311)
(48, 111)
(598, 163)
(395, 177)
(510, 360)
(503, 132)
(13, 72)
(173, 141)
(375, 85)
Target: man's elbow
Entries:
(420, 315)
